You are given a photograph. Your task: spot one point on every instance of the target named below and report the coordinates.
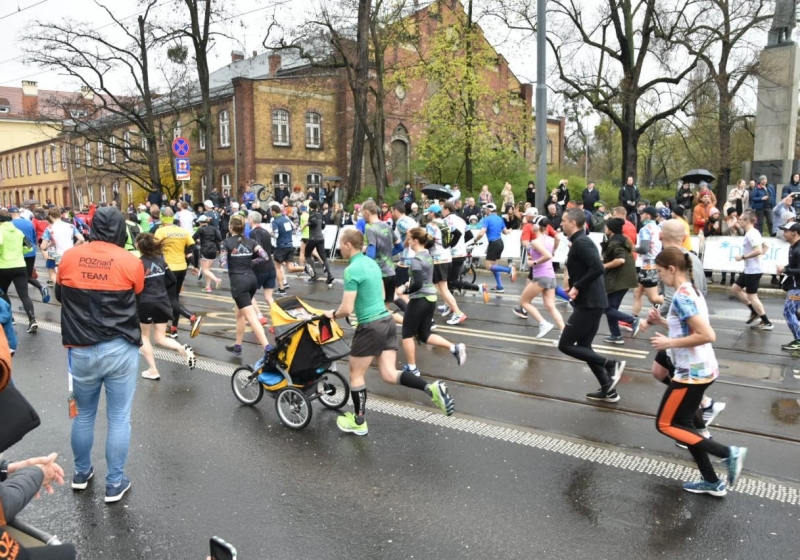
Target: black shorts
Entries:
(374, 338)
(209, 255)
(243, 288)
(417, 319)
(267, 281)
(155, 312)
(283, 254)
(749, 282)
(455, 269)
(400, 275)
(441, 272)
(648, 278)
(388, 289)
(664, 361)
(495, 250)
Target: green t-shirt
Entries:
(381, 236)
(363, 276)
(144, 221)
(304, 225)
(11, 247)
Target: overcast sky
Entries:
(249, 28)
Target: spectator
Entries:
(485, 196)
(154, 198)
(792, 187)
(784, 213)
(762, 202)
(248, 197)
(629, 196)
(530, 193)
(337, 214)
(470, 209)
(103, 344)
(216, 198)
(684, 195)
(702, 211)
(407, 197)
(511, 220)
(385, 214)
(508, 195)
(739, 198)
(562, 194)
(590, 195)
(185, 217)
(553, 215)
(281, 192)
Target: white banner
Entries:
(512, 248)
(719, 254)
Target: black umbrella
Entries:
(334, 178)
(696, 175)
(437, 192)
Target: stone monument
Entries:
(776, 113)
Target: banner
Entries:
(512, 247)
(719, 254)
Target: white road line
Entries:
(749, 486)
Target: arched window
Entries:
(202, 138)
(224, 129)
(88, 149)
(126, 145)
(129, 191)
(280, 127)
(46, 158)
(90, 192)
(77, 156)
(28, 159)
(101, 156)
(113, 150)
(313, 130)
(14, 161)
(103, 196)
(281, 178)
(313, 180)
(37, 156)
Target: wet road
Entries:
(525, 457)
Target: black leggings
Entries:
(576, 341)
(676, 419)
(319, 245)
(174, 298)
(29, 262)
(417, 319)
(19, 277)
(452, 277)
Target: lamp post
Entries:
(541, 104)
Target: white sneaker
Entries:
(190, 360)
(446, 311)
(460, 353)
(544, 328)
(147, 374)
(456, 319)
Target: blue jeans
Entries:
(114, 364)
(790, 308)
(614, 315)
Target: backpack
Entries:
(447, 234)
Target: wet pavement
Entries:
(524, 458)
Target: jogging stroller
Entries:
(300, 368)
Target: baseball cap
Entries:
(795, 227)
(650, 210)
(473, 218)
(435, 208)
(208, 204)
(599, 203)
(540, 221)
(202, 218)
(14, 210)
(491, 206)
(530, 212)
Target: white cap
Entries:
(530, 212)
(208, 204)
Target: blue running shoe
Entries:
(45, 294)
(81, 480)
(735, 463)
(115, 492)
(702, 487)
(415, 371)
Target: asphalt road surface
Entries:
(526, 468)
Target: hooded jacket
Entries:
(97, 286)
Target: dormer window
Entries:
(4, 109)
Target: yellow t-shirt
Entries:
(176, 241)
(687, 241)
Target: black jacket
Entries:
(586, 272)
(626, 193)
(791, 274)
(589, 198)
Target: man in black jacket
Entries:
(790, 282)
(629, 196)
(588, 294)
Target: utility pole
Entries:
(541, 105)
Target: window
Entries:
(177, 130)
(64, 157)
(129, 191)
(313, 136)
(143, 139)
(90, 192)
(88, 149)
(313, 180)
(112, 151)
(280, 128)
(46, 158)
(21, 168)
(101, 158)
(203, 187)
(28, 160)
(126, 145)
(3, 170)
(279, 178)
(77, 156)
(226, 181)
(8, 169)
(224, 129)
(79, 191)
(103, 193)
(202, 137)
(38, 158)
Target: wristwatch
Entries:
(4, 470)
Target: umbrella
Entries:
(334, 178)
(30, 201)
(696, 175)
(437, 192)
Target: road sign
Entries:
(180, 147)
(183, 171)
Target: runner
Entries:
(422, 303)
(316, 242)
(648, 246)
(440, 231)
(58, 238)
(541, 279)
(29, 251)
(282, 231)
(403, 224)
(790, 282)
(458, 250)
(493, 227)
(587, 292)
(178, 245)
(12, 267)
(209, 238)
(380, 241)
(689, 351)
(239, 255)
(746, 286)
(375, 336)
(154, 306)
(264, 271)
(620, 270)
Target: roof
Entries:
(256, 67)
(48, 103)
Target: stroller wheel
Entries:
(334, 390)
(293, 408)
(247, 391)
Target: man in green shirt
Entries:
(375, 337)
(144, 218)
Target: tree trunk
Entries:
(470, 120)
(724, 130)
(152, 147)
(360, 98)
(630, 146)
(378, 132)
(200, 34)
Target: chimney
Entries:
(87, 93)
(255, 54)
(526, 93)
(30, 89)
(274, 64)
(30, 97)
(237, 55)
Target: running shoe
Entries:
(311, 280)
(497, 290)
(441, 398)
(792, 346)
(207, 290)
(415, 371)
(513, 273)
(637, 323)
(173, 332)
(520, 312)
(347, 423)
(196, 320)
(702, 487)
(445, 310)
(735, 463)
(753, 317)
(309, 270)
(626, 326)
(263, 320)
(200, 276)
(218, 282)
(286, 285)
(115, 492)
(614, 340)
(544, 328)
(149, 374)
(434, 326)
(280, 293)
(235, 349)
(51, 283)
(33, 326)
(460, 352)
(81, 480)
(483, 289)
(329, 281)
(456, 319)
(191, 359)
(45, 294)
(711, 412)
(615, 370)
(604, 396)
(762, 327)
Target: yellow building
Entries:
(28, 115)
(37, 171)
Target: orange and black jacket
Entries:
(97, 286)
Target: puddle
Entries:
(786, 411)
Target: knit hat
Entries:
(678, 210)
(652, 212)
(615, 225)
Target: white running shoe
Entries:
(147, 374)
(446, 311)
(456, 319)
(460, 353)
(190, 360)
(544, 328)
(710, 413)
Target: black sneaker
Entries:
(520, 312)
(604, 396)
(753, 317)
(280, 293)
(33, 326)
(235, 349)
